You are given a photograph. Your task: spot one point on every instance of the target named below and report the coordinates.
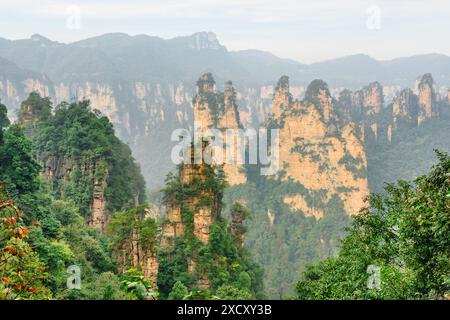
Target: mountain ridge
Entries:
(150, 54)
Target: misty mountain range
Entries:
(118, 56)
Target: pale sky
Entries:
(306, 31)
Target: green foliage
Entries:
(134, 283)
(221, 260)
(123, 224)
(35, 108)
(107, 286)
(179, 291)
(354, 165)
(227, 292)
(293, 239)
(87, 140)
(21, 273)
(58, 234)
(18, 168)
(4, 121)
(404, 233)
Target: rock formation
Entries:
(133, 254)
(405, 107)
(204, 212)
(318, 151)
(217, 110)
(427, 98)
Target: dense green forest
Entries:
(49, 164)
(44, 228)
(397, 248)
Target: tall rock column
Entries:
(427, 98)
(324, 155)
(217, 110)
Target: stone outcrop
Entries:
(381, 122)
(364, 106)
(405, 107)
(427, 98)
(57, 169)
(203, 214)
(219, 111)
(99, 216)
(133, 254)
(192, 215)
(318, 152)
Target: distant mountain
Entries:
(142, 57)
(357, 70)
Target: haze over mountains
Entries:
(142, 57)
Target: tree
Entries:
(134, 283)
(18, 168)
(35, 108)
(228, 292)
(21, 272)
(4, 121)
(179, 291)
(403, 234)
(237, 229)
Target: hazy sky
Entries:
(306, 31)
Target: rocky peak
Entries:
(282, 98)
(427, 98)
(43, 41)
(405, 107)
(363, 103)
(317, 154)
(219, 111)
(205, 84)
(426, 80)
(205, 40)
(316, 90)
(373, 98)
(319, 95)
(229, 94)
(32, 110)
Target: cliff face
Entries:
(317, 151)
(381, 122)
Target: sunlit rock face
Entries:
(219, 111)
(319, 151)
